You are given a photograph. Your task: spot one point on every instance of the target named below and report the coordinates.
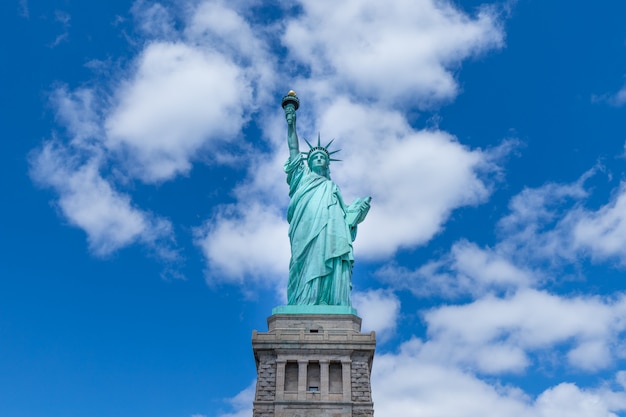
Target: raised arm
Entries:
(292, 135)
(290, 105)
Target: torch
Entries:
(291, 100)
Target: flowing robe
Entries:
(320, 270)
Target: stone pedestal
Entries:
(313, 365)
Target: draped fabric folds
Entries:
(320, 270)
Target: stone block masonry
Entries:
(313, 365)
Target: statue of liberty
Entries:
(321, 226)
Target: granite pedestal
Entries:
(313, 365)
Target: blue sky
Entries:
(143, 232)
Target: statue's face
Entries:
(318, 160)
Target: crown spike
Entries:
(330, 143)
(319, 144)
(308, 143)
(330, 153)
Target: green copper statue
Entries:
(321, 226)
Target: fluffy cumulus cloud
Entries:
(546, 228)
(602, 233)
(408, 383)
(620, 97)
(466, 270)
(496, 334)
(380, 311)
(180, 99)
(176, 100)
(431, 172)
(399, 50)
(78, 112)
(245, 243)
(153, 19)
(405, 384)
(90, 202)
(616, 99)
(552, 222)
(241, 403)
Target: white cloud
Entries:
(601, 232)
(213, 23)
(405, 384)
(90, 202)
(551, 223)
(64, 19)
(243, 242)
(399, 50)
(379, 310)
(531, 229)
(617, 99)
(408, 383)
(531, 321)
(547, 227)
(568, 400)
(222, 26)
(416, 178)
(153, 19)
(180, 100)
(467, 269)
(78, 112)
(591, 355)
(241, 403)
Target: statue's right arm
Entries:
(292, 136)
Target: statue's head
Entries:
(319, 157)
(318, 160)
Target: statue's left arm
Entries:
(356, 212)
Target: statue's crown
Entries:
(320, 148)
